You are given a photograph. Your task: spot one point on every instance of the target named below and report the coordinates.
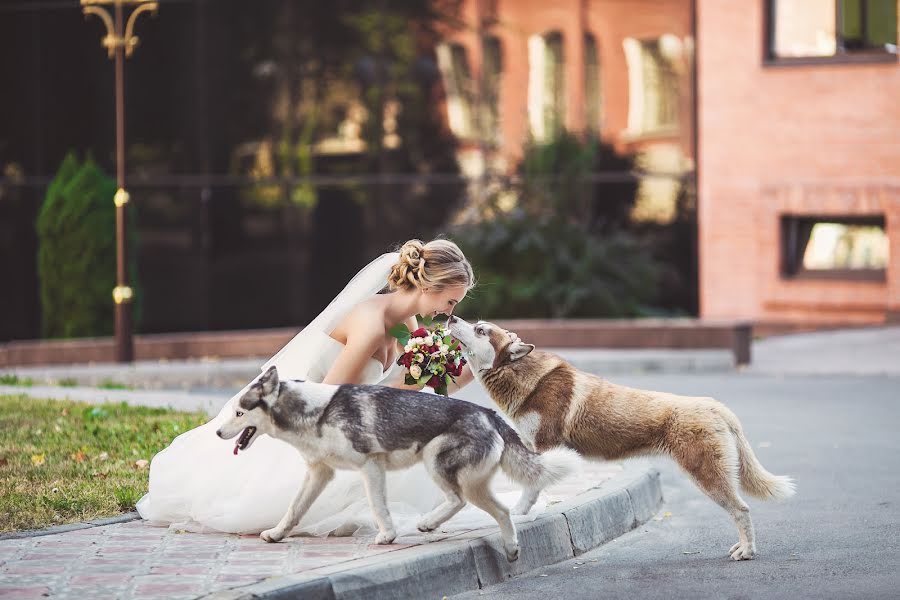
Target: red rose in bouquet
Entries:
(430, 355)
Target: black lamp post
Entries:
(120, 42)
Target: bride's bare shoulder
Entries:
(366, 316)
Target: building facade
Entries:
(617, 68)
(797, 149)
(799, 161)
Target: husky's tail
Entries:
(533, 470)
(755, 480)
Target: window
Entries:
(836, 248)
(546, 85)
(493, 68)
(454, 65)
(592, 83)
(804, 30)
(653, 89)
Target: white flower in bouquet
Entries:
(418, 357)
(428, 340)
(415, 371)
(444, 349)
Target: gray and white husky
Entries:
(373, 429)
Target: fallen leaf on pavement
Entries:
(690, 552)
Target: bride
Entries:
(199, 484)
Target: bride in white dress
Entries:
(198, 483)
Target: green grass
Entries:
(64, 462)
(13, 379)
(109, 384)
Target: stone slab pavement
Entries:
(134, 560)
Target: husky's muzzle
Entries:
(243, 441)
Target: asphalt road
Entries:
(837, 538)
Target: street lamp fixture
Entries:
(120, 43)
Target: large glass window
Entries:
(834, 247)
(454, 65)
(653, 89)
(592, 90)
(493, 69)
(546, 85)
(804, 29)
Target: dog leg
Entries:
(452, 505)
(526, 501)
(317, 477)
(479, 493)
(373, 478)
(713, 466)
(453, 502)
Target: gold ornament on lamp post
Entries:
(120, 42)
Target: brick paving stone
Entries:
(100, 580)
(166, 590)
(11, 592)
(135, 560)
(23, 569)
(178, 570)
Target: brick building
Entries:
(794, 132)
(799, 195)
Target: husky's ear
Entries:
(269, 381)
(519, 350)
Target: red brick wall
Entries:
(610, 21)
(816, 139)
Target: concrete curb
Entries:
(475, 559)
(124, 518)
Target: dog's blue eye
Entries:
(240, 414)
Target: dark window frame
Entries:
(842, 55)
(794, 226)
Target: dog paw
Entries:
(386, 537)
(272, 535)
(521, 508)
(512, 553)
(425, 526)
(742, 551)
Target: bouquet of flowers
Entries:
(431, 356)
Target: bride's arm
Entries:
(363, 339)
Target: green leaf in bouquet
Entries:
(401, 332)
(447, 340)
(424, 379)
(426, 321)
(441, 389)
(447, 380)
(410, 380)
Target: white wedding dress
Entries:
(199, 484)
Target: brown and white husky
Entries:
(552, 403)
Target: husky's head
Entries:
(487, 346)
(251, 416)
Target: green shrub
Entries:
(562, 250)
(76, 229)
(549, 267)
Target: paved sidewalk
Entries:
(135, 560)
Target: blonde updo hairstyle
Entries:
(437, 265)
